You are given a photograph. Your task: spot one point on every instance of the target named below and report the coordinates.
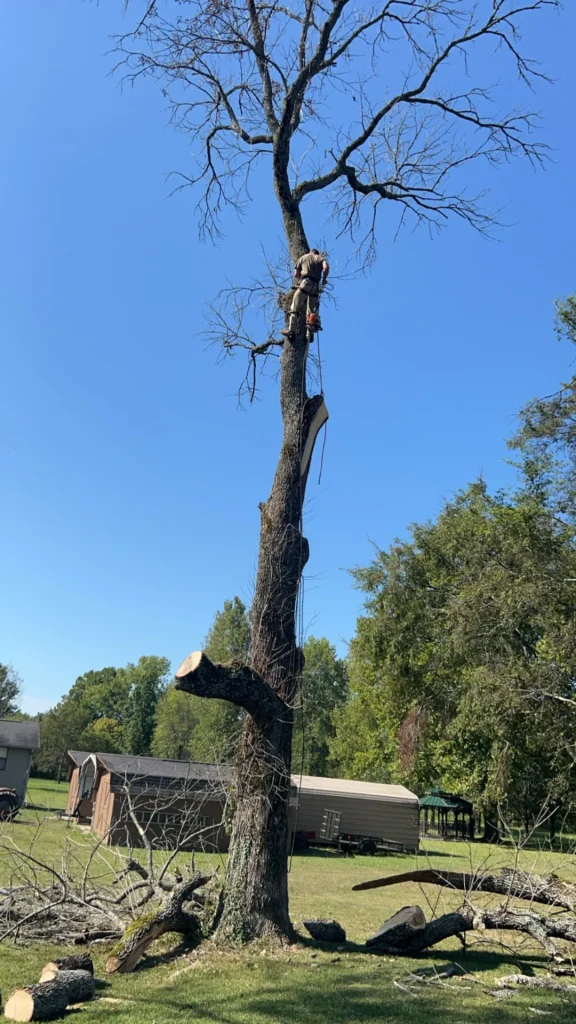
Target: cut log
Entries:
(79, 984)
(522, 885)
(325, 931)
(169, 917)
(37, 1002)
(78, 962)
(396, 934)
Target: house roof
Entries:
(25, 735)
(78, 756)
(355, 788)
(449, 801)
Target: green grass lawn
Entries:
(306, 983)
(46, 793)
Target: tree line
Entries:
(461, 671)
(136, 709)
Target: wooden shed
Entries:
(371, 809)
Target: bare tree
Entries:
(356, 103)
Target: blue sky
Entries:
(131, 480)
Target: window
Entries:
(3, 757)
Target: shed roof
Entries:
(353, 787)
(25, 735)
(449, 801)
(159, 768)
(78, 756)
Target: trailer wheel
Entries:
(367, 847)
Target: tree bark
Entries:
(509, 882)
(50, 998)
(169, 917)
(79, 985)
(77, 962)
(408, 941)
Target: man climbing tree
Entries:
(311, 88)
(311, 272)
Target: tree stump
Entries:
(397, 934)
(79, 962)
(325, 931)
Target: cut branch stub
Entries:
(236, 683)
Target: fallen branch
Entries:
(531, 982)
(408, 934)
(169, 917)
(522, 885)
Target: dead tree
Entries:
(309, 88)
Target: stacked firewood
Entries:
(63, 983)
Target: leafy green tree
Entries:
(175, 723)
(103, 694)
(105, 735)
(62, 728)
(324, 689)
(146, 681)
(466, 655)
(9, 691)
(546, 438)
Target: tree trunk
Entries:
(256, 889)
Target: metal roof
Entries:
(448, 801)
(25, 735)
(78, 756)
(355, 788)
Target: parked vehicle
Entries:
(9, 804)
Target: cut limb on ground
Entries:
(408, 933)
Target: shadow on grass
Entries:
(375, 858)
(299, 993)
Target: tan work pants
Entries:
(305, 300)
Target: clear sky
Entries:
(130, 479)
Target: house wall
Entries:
(384, 819)
(15, 774)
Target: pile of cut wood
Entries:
(63, 983)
